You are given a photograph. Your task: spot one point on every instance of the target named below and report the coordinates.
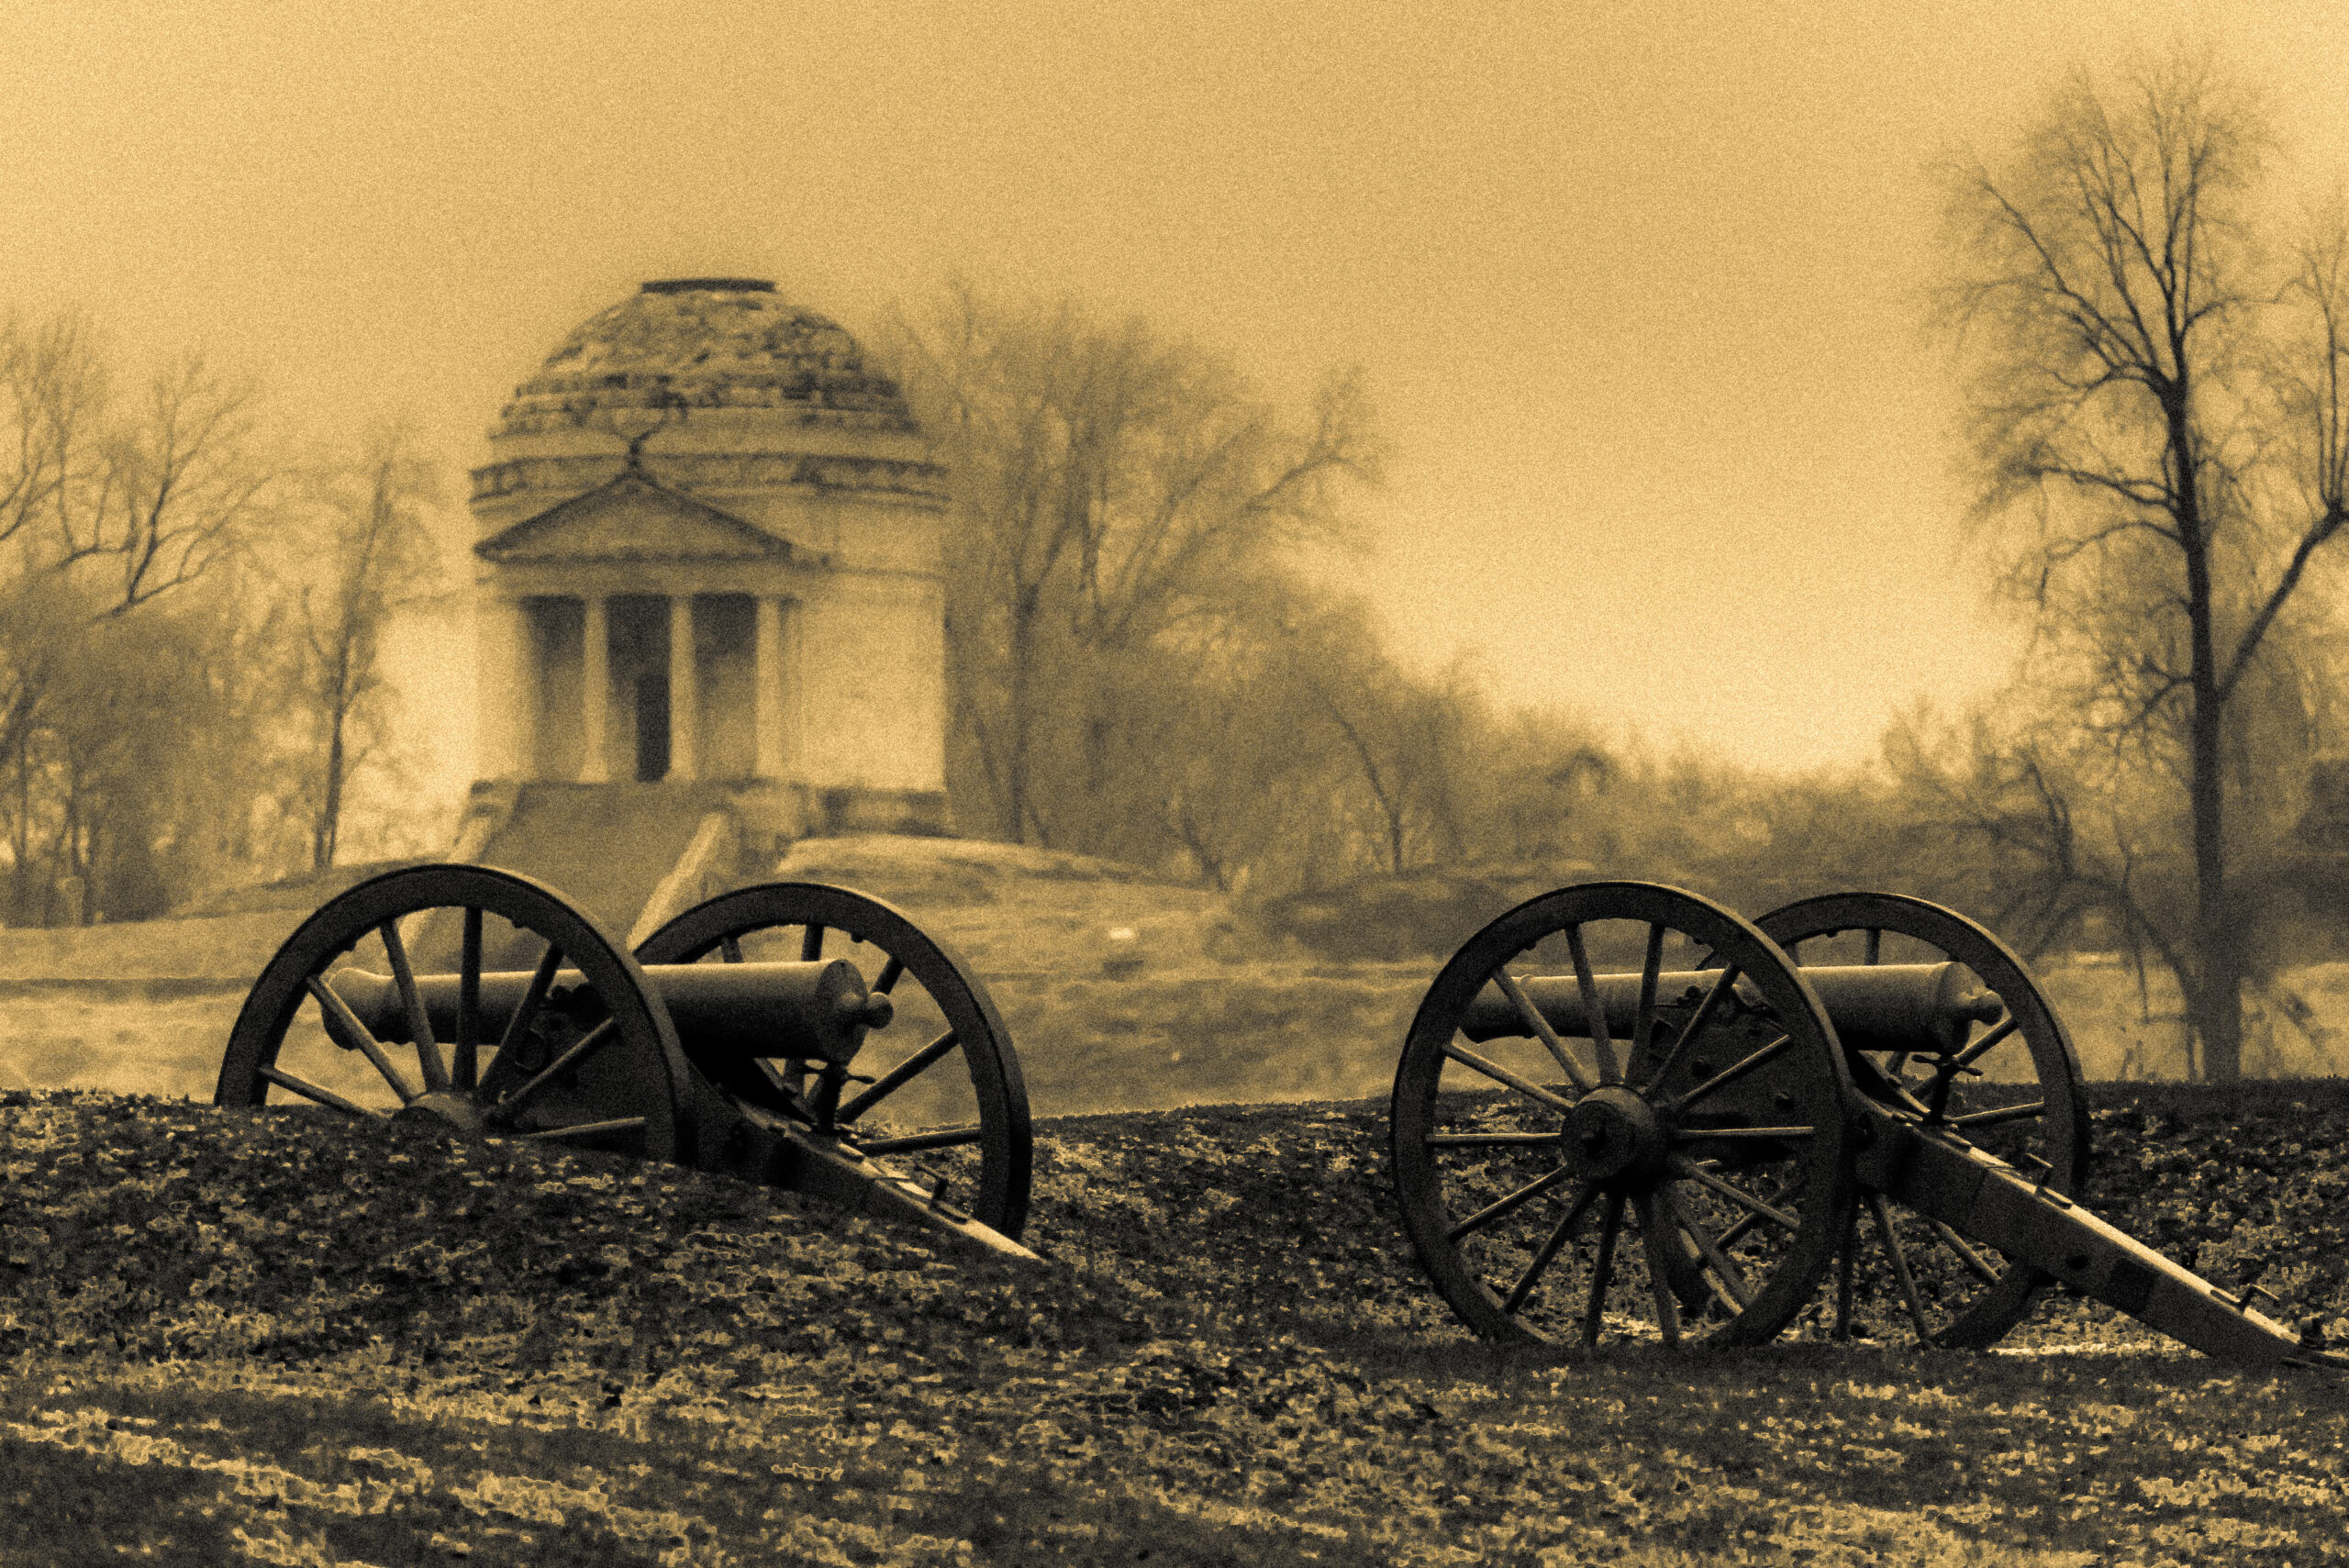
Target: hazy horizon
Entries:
(1638, 291)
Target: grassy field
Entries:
(1121, 992)
(227, 1337)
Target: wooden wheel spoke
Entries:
(1684, 1167)
(2023, 1110)
(1749, 1219)
(1558, 1237)
(1991, 1040)
(811, 946)
(1738, 1229)
(419, 1023)
(913, 1143)
(533, 998)
(1652, 1238)
(595, 1040)
(1707, 1134)
(1490, 1139)
(1696, 1024)
(730, 950)
(345, 1029)
(1732, 1278)
(587, 1128)
(1643, 1021)
(1510, 1204)
(1975, 1263)
(464, 1067)
(310, 1091)
(1874, 952)
(1501, 1074)
(1541, 1029)
(1602, 1269)
(1602, 1044)
(887, 979)
(897, 1077)
(1735, 1070)
(1900, 1270)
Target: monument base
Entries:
(613, 847)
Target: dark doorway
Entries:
(726, 634)
(640, 660)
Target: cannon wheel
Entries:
(1505, 1161)
(593, 1066)
(1971, 1295)
(973, 1035)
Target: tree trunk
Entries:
(2215, 1002)
(1022, 649)
(322, 841)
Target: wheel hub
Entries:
(446, 1111)
(1612, 1134)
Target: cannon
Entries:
(729, 1041)
(1901, 1109)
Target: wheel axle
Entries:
(1612, 1135)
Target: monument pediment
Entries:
(633, 517)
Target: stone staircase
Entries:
(629, 855)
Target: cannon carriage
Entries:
(1687, 1151)
(727, 1041)
(1622, 1112)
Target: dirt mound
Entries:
(1421, 914)
(314, 1232)
(912, 869)
(230, 1336)
(1012, 909)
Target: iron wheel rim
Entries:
(640, 1073)
(1812, 1199)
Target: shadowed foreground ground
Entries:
(286, 1340)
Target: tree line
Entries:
(2150, 354)
(190, 626)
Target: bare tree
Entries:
(117, 515)
(2157, 415)
(1110, 487)
(105, 508)
(367, 547)
(1396, 744)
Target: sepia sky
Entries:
(1636, 285)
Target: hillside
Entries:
(1121, 992)
(228, 1337)
(1189, 1007)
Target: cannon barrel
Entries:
(1874, 1007)
(817, 1011)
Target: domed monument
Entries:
(707, 577)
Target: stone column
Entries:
(767, 694)
(525, 681)
(685, 688)
(595, 692)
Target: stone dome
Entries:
(683, 345)
(729, 390)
